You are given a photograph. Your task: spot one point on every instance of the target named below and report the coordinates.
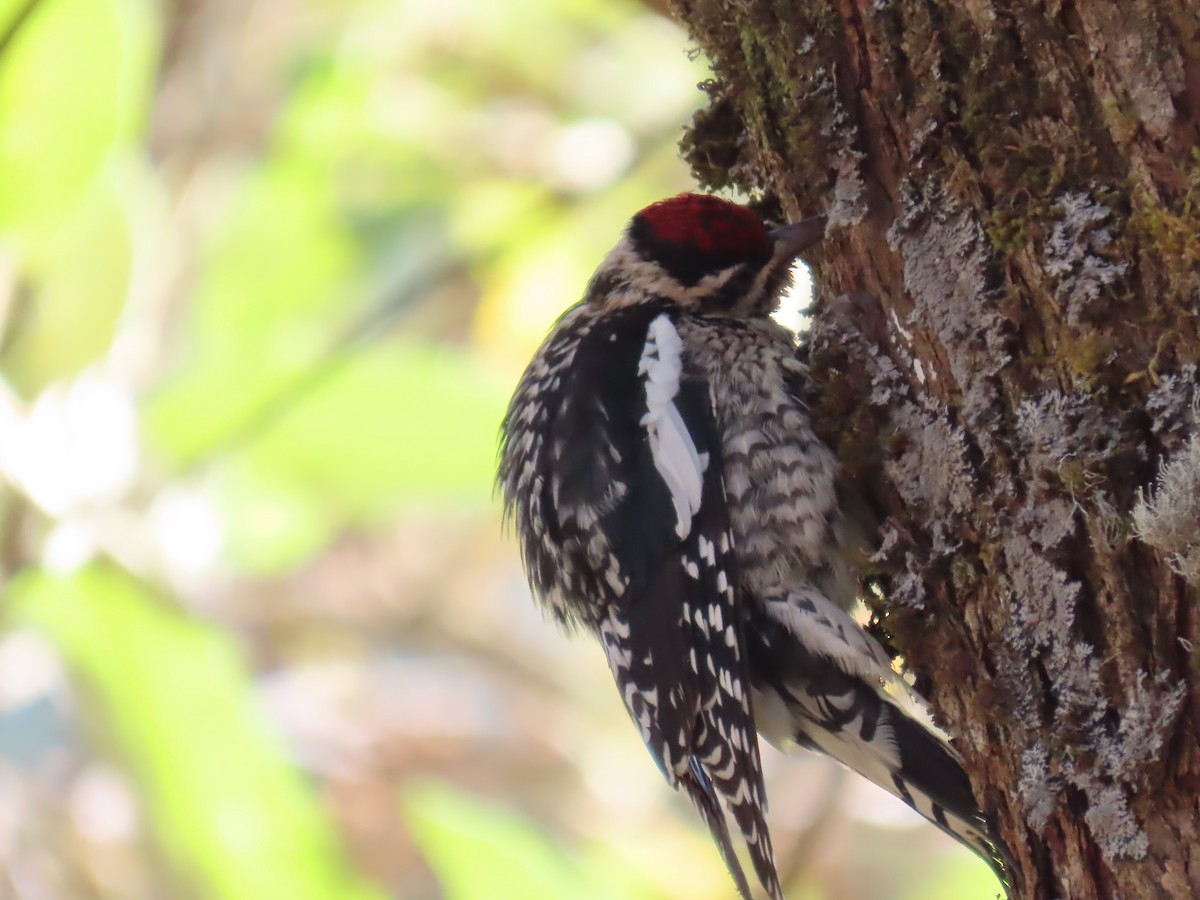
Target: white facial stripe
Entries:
(671, 445)
(643, 279)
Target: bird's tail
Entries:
(836, 703)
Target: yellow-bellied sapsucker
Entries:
(671, 498)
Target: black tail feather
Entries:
(697, 785)
(931, 769)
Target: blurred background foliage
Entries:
(269, 270)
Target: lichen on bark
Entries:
(1004, 355)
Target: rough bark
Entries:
(1006, 352)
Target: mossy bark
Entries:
(1004, 354)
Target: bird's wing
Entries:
(635, 475)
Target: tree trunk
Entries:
(1011, 357)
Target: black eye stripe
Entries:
(687, 264)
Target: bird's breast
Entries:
(779, 478)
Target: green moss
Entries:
(713, 145)
(846, 424)
(1032, 177)
(1172, 230)
(1035, 349)
(1078, 479)
(1123, 123)
(990, 559)
(1116, 529)
(963, 572)
(1007, 231)
(816, 17)
(857, 449)
(767, 101)
(1093, 356)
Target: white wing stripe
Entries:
(671, 445)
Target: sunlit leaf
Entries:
(72, 82)
(172, 694)
(401, 422)
(270, 525)
(954, 877)
(267, 305)
(481, 852)
(656, 863)
(80, 281)
(398, 424)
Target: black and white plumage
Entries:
(671, 498)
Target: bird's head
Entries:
(707, 254)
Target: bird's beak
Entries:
(797, 237)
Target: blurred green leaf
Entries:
(483, 852)
(480, 852)
(276, 267)
(231, 813)
(399, 423)
(81, 275)
(269, 304)
(402, 421)
(959, 876)
(270, 526)
(73, 81)
(63, 203)
(366, 431)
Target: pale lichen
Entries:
(1108, 529)
(1100, 750)
(1112, 823)
(1045, 598)
(1172, 407)
(947, 261)
(1167, 518)
(1147, 717)
(887, 384)
(1038, 788)
(1049, 522)
(848, 203)
(932, 472)
(1067, 435)
(1075, 254)
(908, 588)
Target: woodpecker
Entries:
(671, 499)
